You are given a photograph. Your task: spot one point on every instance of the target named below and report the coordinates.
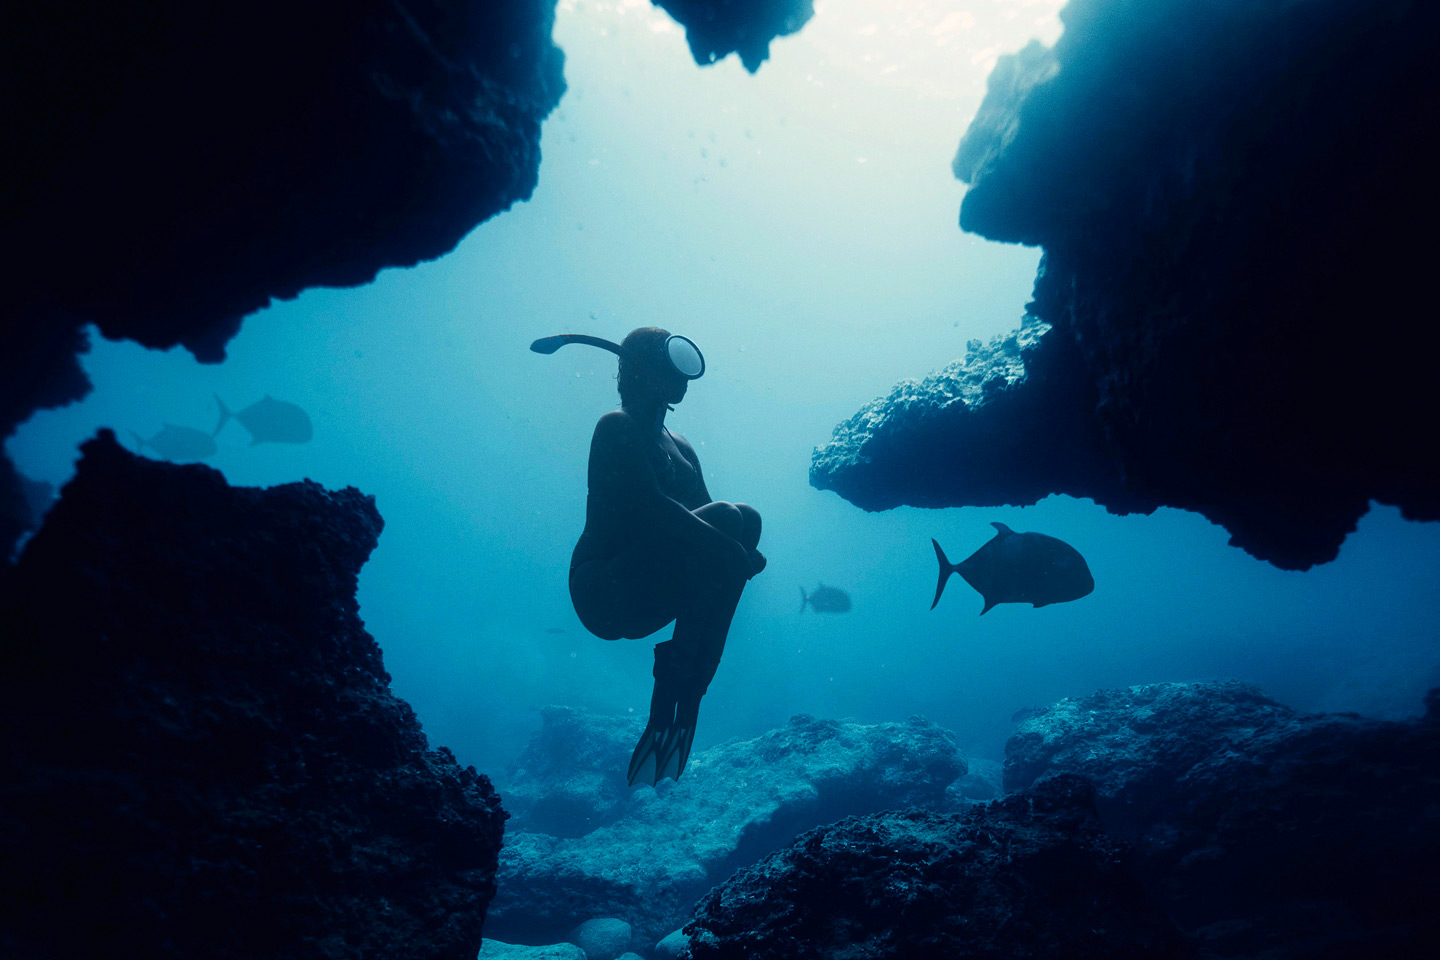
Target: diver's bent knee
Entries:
(723, 516)
(749, 525)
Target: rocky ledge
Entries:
(172, 167)
(1028, 876)
(646, 856)
(203, 756)
(1229, 250)
(717, 28)
(1166, 820)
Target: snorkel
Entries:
(678, 354)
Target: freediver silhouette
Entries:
(655, 547)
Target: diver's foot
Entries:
(661, 753)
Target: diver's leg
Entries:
(749, 536)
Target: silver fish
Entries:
(177, 443)
(825, 600)
(269, 421)
(1020, 568)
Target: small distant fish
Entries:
(1020, 568)
(177, 443)
(269, 421)
(825, 600)
(1025, 713)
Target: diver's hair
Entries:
(642, 342)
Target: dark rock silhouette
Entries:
(716, 28)
(202, 754)
(172, 167)
(1030, 875)
(1231, 198)
(1262, 831)
(651, 855)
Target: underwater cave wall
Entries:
(171, 167)
(715, 29)
(1235, 200)
(202, 753)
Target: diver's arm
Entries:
(620, 471)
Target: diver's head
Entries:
(646, 372)
(655, 365)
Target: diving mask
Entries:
(678, 354)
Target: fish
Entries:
(177, 443)
(825, 600)
(1019, 568)
(269, 421)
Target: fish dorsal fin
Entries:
(1000, 529)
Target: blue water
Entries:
(800, 225)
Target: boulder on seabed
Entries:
(666, 846)
(1258, 828)
(985, 781)
(672, 946)
(1031, 875)
(605, 938)
(495, 950)
(570, 778)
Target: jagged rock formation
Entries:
(1259, 832)
(570, 779)
(1262, 831)
(202, 754)
(717, 28)
(1028, 876)
(1229, 250)
(172, 167)
(661, 849)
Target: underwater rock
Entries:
(1031, 875)
(737, 802)
(203, 756)
(1259, 829)
(570, 779)
(672, 946)
(1230, 334)
(717, 28)
(983, 782)
(971, 433)
(495, 950)
(171, 168)
(602, 939)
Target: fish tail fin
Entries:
(224, 414)
(946, 568)
(804, 599)
(139, 441)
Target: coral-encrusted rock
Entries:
(1028, 876)
(202, 754)
(1258, 828)
(1208, 282)
(716, 28)
(971, 433)
(736, 802)
(170, 167)
(571, 777)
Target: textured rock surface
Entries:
(737, 802)
(971, 433)
(1230, 248)
(171, 167)
(203, 757)
(717, 28)
(1259, 829)
(604, 938)
(1028, 876)
(497, 950)
(983, 782)
(570, 779)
